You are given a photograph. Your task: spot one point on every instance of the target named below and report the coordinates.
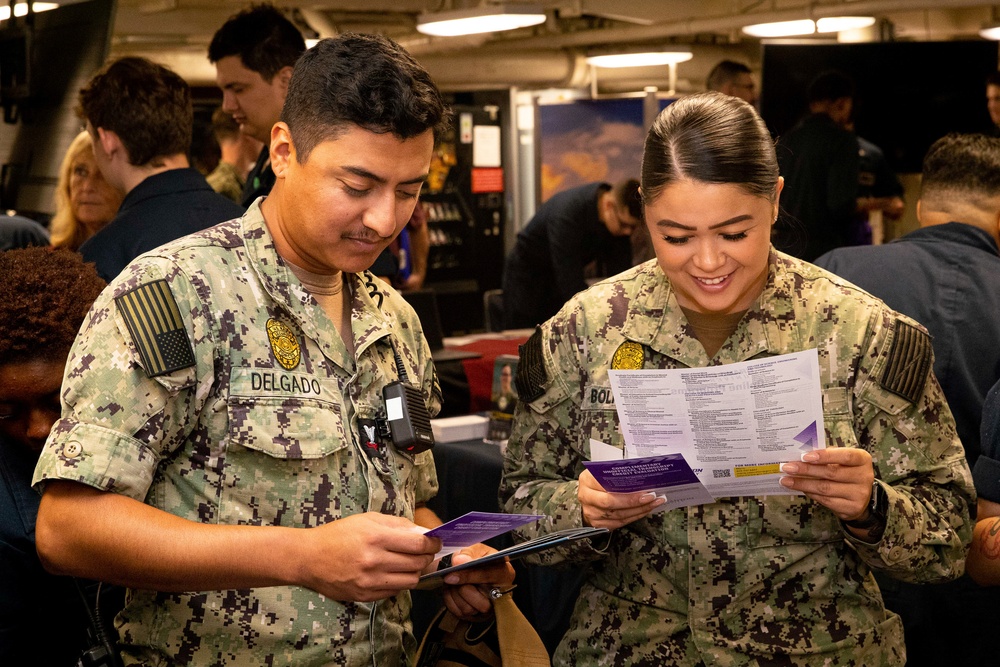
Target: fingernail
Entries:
(791, 468)
(810, 456)
(451, 579)
(646, 497)
(786, 481)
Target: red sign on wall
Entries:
(487, 179)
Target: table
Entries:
(467, 385)
(469, 477)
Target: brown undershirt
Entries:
(329, 292)
(711, 329)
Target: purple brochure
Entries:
(475, 527)
(666, 475)
(643, 474)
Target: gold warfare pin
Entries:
(628, 357)
(283, 344)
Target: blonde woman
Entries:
(85, 202)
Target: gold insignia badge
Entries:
(283, 344)
(628, 357)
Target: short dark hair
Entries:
(45, 294)
(147, 105)
(723, 73)
(262, 37)
(993, 79)
(364, 80)
(626, 193)
(962, 167)
(830, 86)
(713, 138)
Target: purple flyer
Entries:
(475, 527)
(642, 474)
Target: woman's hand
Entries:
(467, 592)
(612, 510)
(839, 478)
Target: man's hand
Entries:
(839, 478)
(467, 592)
(612, 510)
(365, 557)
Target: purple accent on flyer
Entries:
(642, 474)
(477, 527)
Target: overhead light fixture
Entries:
(477, 20)
(808, 26)
(21, 9)
(841, 23)
(781, 28)
(990, 32)
(642, 59)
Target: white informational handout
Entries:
(734, 424)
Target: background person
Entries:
(983, 564)
(139, 117)
(819, 161)
(993, 102)
(17, 231)
(85, 201)
(946, 275)
(573, 228)
(254, 53)
(745, 580)
(733, 78)
(237, 154)
(44, 296)
(220, 450)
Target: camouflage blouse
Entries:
(746, 580)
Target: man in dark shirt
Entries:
(946, 275)
(818, 159)
(140, 117)
(569, 231)
(254, 53)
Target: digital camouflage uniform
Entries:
(747, 580)
(259, 425)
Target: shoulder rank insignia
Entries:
(531, 376)
(156, 327)
(283, 344)
(909, 362)
(628, 357)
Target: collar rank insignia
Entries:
(283, 344)
(154, 321)
(628, 357)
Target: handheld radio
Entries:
(406, 413)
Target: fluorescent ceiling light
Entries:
(489, 18)
(22, 9)
(990, 32)
(781, 28)
(839, 23)
(639, 59)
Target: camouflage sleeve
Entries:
(117, 421)
(903, 420)
(544, 454)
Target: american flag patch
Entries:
(153, 319)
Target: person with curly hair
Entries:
(85, 202)
(45, 294)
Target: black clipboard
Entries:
(548, 541)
